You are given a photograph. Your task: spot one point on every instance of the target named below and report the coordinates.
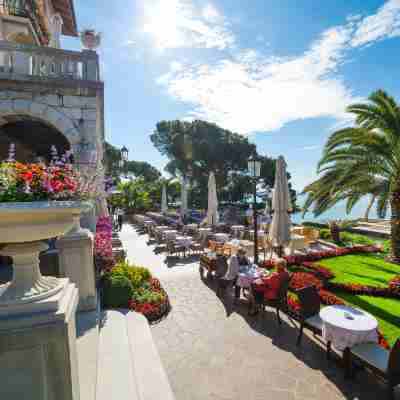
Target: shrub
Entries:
(117, 291)
(136, 275)
(325, 234)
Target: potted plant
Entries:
(37, 202)
(90, 39)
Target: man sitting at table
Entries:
(268, 288)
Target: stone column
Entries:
(75, 252)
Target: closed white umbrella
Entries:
(212, 217)
(164, 205)
(184, 199)
(279, 232)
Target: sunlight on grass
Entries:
(386, 311)
(365, 269)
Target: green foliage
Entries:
(117, 291)
(146, 295)
(363, 160)
(325, 234)
(197, 148)
(140, 169)
(136, 275)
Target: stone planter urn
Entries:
(23, 227)
(90, 39)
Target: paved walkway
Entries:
(214, 354)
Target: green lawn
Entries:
(386, 311)
(365, 269)
(369, 269)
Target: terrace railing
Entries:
(24, 62)
(23, 8)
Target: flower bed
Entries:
(133, 287)
(103, 251)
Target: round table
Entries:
(184, 241)
(346, 326)
(170, 234)
(247, 277)
(237, 229)
(221, 237)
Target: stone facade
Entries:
(77, 114)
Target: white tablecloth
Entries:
(170, 234)
(346, 326)
(204, 232)
(161, 228)
(297, 242)
(245, 278)
(184, 241)
(221, 237)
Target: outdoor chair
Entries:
(310, 303)
(383, 363)
(280, 303)
(197, 247)
(173, 248)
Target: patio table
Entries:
(346, 326)
(170, 234)
(297, 242)
(221, 237)
(184, 241)
(248, 275)
(234, 245)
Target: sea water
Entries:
(336, 212)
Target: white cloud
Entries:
(210, 13)
(385, 23)
(309, 148)
(177, 23)
(250, 92)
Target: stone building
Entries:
(48, 96)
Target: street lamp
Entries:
(124, 159)
(254, 167)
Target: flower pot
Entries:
(23, 227)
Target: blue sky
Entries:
(279, 71)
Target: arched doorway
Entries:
(33, 138)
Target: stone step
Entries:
(129, 366)
(87, 340)
(151, 378)
(115, 378)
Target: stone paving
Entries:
(211, 351)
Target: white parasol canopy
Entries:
(164, 205)
(279, 233)
(212, 217)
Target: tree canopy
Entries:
(195, 149)
(137, 168)
(363, 160)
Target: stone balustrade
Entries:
(20, 61)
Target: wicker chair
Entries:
(309, 315)
(383, 363)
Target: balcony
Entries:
(33, 63)
(25, 9)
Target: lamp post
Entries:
(124, 159)
(254, 167)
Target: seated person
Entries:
(235, 262)
(268, 287)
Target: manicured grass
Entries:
(385, 310)
(364, 269)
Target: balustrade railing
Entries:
(47, 62)
(23, 8)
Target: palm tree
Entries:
(361, 160)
